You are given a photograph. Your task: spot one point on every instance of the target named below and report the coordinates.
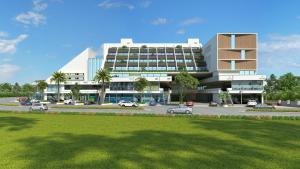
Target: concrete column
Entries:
(262, 98)
(45, 96)
(169, 97)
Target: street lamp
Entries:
(241, 92)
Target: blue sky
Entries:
(37, 37)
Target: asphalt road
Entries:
(200, 109)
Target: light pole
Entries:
(241, 92)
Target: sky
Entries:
(37, 37)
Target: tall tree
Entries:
(271, 86)
(28, 88)
(103, 78)
(185, 81)
(140, 84)
(16, 88)
(75, 91)
(287, 82)
(58, 78)
(225, 96)
(41, 86)
(5, 87)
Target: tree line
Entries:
(286, 87)
(17, 90)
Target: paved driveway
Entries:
(200, 109)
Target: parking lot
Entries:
(199, 109)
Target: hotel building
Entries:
(228, 62)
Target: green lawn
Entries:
(60, 141)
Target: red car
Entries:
(189, 103)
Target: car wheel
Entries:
(123, 105)
(41, 109)
(187, 112)
(172, 111)
(30, 109)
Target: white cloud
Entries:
(159, 21)
(31, 18)
(146, 3)
(9, 46)
(107, 4)
(34, 16)
(279, 43)
(3, 34)
(7, 59)
(39, 5)
(180, 32)
(7, 71)
(191, 21)
(280, 54)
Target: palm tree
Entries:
(58, 78)
(140, 85)
(102, 77)
(41, 86)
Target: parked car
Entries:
(25, 103)
(264, 106)
(52, 100)
(38, 107)
(180, 109)
(251, 103)
(128, 104)
(122, 101)
(35, 101)
(189, 103)
(152, 103)
(213, 104)
(88, 102)
(22, 99)
(69, 101)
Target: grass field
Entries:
(59, 141)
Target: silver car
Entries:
(38, 107)
(180, 109)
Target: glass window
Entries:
(189, 68)
(233, 65)
(171, 68)
(243, 54)
(232, 41)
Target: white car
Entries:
(38, 107)
(69, 101)
(252, 103)
(128, 104)
(35, 101)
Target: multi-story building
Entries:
(232, 60)
(227, 62)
